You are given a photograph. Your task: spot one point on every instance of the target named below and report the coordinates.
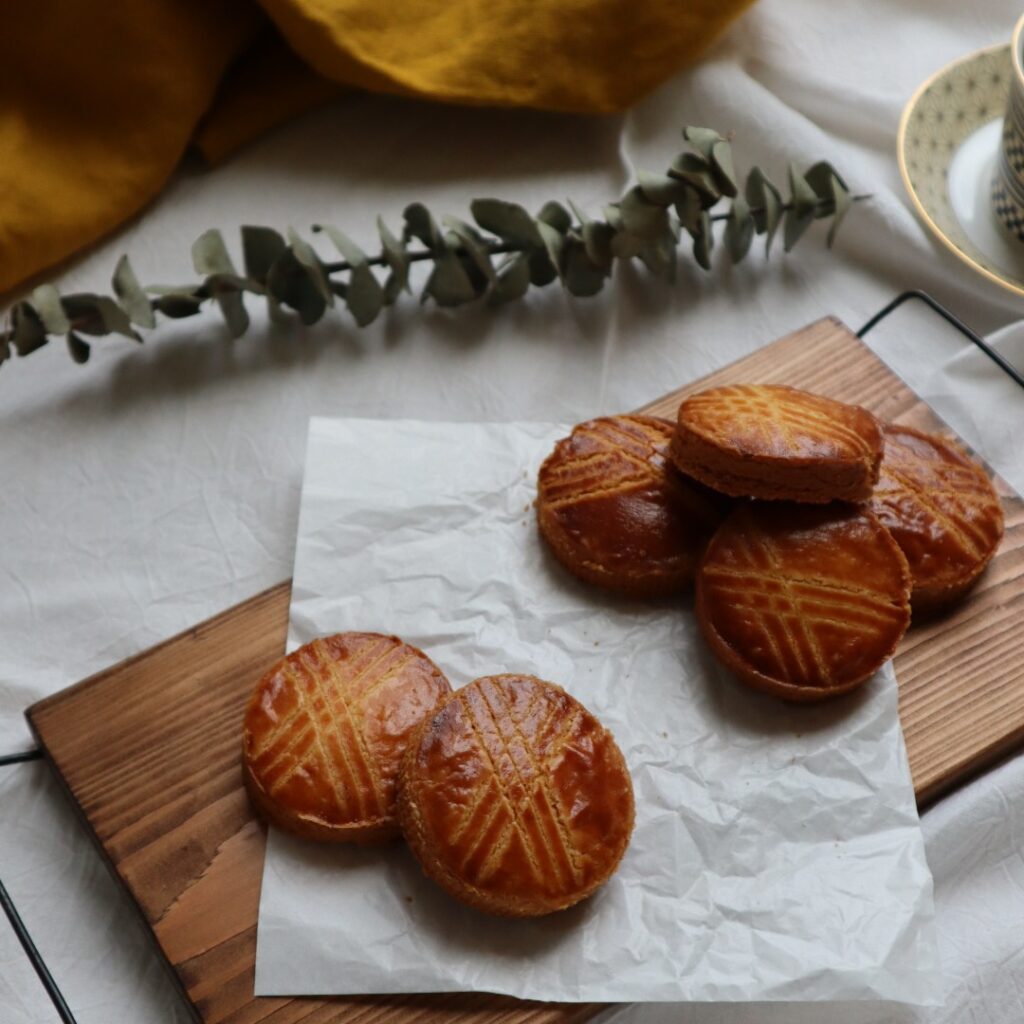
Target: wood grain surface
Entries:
(149, 750)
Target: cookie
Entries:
(776, 442)
(325, 731)
(514, 798)
(617, 514)
(804, 602)
(942, 510)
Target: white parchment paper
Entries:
(777, 853)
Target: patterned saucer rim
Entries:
(963, 249)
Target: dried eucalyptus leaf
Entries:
(542, 270)
(177, 305)
(802, 207)
(696, 172)
(625, 245)
(703, 241)
(289, 284)
(739, 230)
(133, 298)
(597, 239)
(794, 227)
(613, 216)
(308, 258)
(474, 247)
(556, 215)
(554, 242)
(46, 301)
(210, 254)
(79, 348)
(688, 209)
(802, 197)
(765, 203)
(582, 276)
(819, 177)
(702, 139)
(721, 163)
(420, 223)
(29, 333)
(97, 315)
(232, 308)
(276, 311)
(115, 319)
(228, 283)
(227, 291)
(364, 296)
(660, 257)
(82, 309)
(640, 217)
(397, 260)
(348, 249)
(660, 189)
(509, 221)
(513, 281)
(260, 248)
(449, 284)
(842, 201)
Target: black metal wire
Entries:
(951, 318)
(62, 1008)
(21, 757)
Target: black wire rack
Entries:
(18, 925)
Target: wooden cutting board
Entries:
(149, 750)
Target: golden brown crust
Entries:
(514, 798)
(325, 731)
(616, 513)
(803, 602)
(942, 510)
(774, 442)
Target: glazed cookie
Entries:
(325, 731)
(514, 798)
(776, 442)
(616, 513)
(804, 602)
(942, 510)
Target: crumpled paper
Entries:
(777, 853)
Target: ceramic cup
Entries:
(1008, 180)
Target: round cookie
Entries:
(514, 798)
(616, 513)
(325, 731)
(776, 442)
(804, 602)
(942, 510)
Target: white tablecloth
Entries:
(156, 486)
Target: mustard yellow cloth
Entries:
(98, 101)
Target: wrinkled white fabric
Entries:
(157, 485)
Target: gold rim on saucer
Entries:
(941, 115)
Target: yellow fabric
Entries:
(98, 101)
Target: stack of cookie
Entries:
(513, 797)
(809, 529)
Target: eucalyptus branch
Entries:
(496, 259)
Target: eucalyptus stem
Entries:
(497, 258)
(502, 248)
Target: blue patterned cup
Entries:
(1008, 180)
